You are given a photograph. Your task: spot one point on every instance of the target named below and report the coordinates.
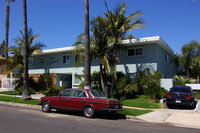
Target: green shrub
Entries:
(155, 92)
(53, 91)
(125, 88)
(197, 95)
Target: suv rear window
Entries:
(180, 89)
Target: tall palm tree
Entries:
(25, 93)
(119, 25)
(87, 48)
(100, 48)
(7, 30)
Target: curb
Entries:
(21, 105)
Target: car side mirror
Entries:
(59, 95)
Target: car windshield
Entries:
(180, 89)
(98, 94)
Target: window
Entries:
(171, 62)
(79, 93)
(66, 59)
(79, 57)
(77, 79)
(41, 60)
(67, 93)
(166, 57)
(30, 61)
(135, 52)
(118, 52)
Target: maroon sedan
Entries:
(86, 100)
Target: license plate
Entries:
(178, 101)
(116, 106)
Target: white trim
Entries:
(146, 40)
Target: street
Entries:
(28, 120)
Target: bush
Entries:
(155, 92)
(53, 91)
(125, 88)
(197, 95)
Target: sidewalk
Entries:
(177, 117)
(35, 96)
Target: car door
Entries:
(78, 99)
(65, 98)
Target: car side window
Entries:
(79, 93)
(67, 93)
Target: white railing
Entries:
(194, 86)
(7, 84)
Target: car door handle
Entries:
(84, 100)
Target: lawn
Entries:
(134, 112)
(19, 100)
(141, 103)
(10, 92)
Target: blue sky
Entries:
(59, 22)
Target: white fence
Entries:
(194, 86)
(7, 84)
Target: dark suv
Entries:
(180, 96)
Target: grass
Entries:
(19, 100)
(10, 93)
(134, 112)
(141, 103)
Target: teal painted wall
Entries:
(153, 57)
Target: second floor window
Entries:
(66, 59)
(135, 52)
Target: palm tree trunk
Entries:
(101, 79)
(7, 33)
(87, 48)
(25, 93)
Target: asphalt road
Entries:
(28, 120)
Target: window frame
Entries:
(65, 61)
(135, 52)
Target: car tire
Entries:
(169, 106)
(88, 112)
(46, 107)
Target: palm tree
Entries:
(25, 93)
(189, 54)
(16, 61)
(2, 49)
(7, 31)
(119, 25)
(100, 48)
(87, 48)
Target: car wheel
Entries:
(169, 106)
(88, 112)
(46, 107)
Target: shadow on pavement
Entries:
(106, 116)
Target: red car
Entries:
(86, 100)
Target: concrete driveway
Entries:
(180, 117)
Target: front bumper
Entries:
(39, 103)
(109, 110)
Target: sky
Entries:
(59, 22)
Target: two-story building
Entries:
(134, 55)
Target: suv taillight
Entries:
(169, 95)
(189, 96)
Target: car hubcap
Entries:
(89, 111)
(45, 108)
